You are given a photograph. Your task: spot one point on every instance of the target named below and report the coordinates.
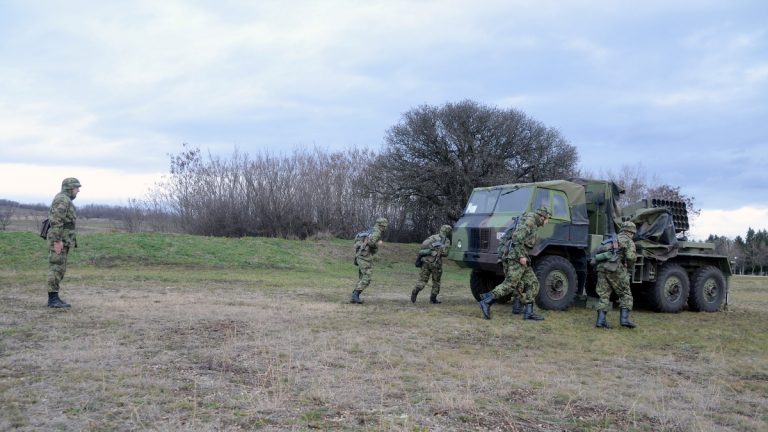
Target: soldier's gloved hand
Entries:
(593, 262)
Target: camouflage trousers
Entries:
(519, 281)
(364, 268)
(57, 267)
(430, 269)
(615, 281)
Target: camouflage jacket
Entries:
(371, 245)
(62, 217)
(627, 255)
(523, 238)
(434, 254)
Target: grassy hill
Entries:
(178, 332)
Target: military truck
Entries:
(669, 273)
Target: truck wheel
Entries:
(482, 282)
(670, 292)
(557, 282)
(708, 289)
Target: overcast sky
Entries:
(106, 90)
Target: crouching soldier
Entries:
(518, 273)
(365, 251)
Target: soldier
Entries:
(518, 274)
(501, 252)
(364, 258)
(613, 276)
(432, 251)
(61, 237)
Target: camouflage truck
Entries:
(670, 272)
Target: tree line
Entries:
(421, 179)
(748, 254)
(429, 164)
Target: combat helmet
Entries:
(629, 226)
(445, 230)
(70, 183)
(382, 222)
(544, 211)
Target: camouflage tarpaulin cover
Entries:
(655, 236)
(575, 194)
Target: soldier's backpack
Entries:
(45, 227)
(505, 245)
(427, 247)
(607, 254)
(360, 239)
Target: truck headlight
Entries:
(458, 244)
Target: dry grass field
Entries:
(187, 333)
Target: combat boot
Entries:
(55, 302)
(516, 309)
(414, 293)
(529, 315)
(624, 319)
(433, 299)
(356, 297)
(486, 300)
(601, 322)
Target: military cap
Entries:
(70, 183)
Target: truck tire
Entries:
(558, 282)
(670, 292)
(481, 282)
(707, 289)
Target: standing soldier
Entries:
(364, 258)
(432, 251)
(61, 237)
(613, 276)
(518, 274)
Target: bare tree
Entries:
(6, 216)
(133, 216)
(639, 185)
(297, 195)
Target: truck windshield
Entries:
(482, 201)
(514, 200)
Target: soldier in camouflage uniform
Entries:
(364, 258)
(613, 276)
(518, 274)
(432, 251)
(501, 252)
(61, 237)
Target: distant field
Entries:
(176, 332)
(30, 220)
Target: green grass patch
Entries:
(178, 332)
